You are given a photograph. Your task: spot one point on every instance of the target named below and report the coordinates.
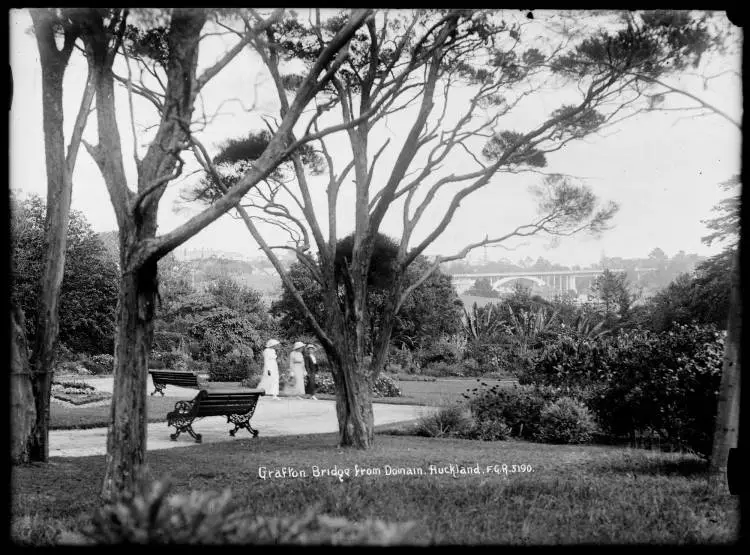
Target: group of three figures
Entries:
(302, 364)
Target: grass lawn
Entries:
(414, 393)
(63, 417)
(575, 494)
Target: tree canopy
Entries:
(89, 286)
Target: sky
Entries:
(663, 168)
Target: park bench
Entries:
(237, 406)
(162, 378)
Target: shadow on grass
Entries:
(655, 463)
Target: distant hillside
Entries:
(203, 271)
(210, 265)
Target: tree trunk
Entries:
(59, 188)
(126, 437)
(728, 410)
(350, 375)
(22, 409)
(353, 398)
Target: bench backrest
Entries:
(175, 378)
(216, 403)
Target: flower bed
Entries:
(78, 399)
(384, 386)
(78, 393)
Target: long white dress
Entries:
(297, 369)
(270, 382)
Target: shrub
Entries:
(638, 382)
(71, 368)
(227, 372)
(156, 360)
(518, 407)
(198, 366)
(450, 421)
(489, 354)
(324, 383)
(151, 516)
(99, 364)
(491, 430)
(172, 360)
(384, 386)
(167, 341)
(403, 358)
(441, 351)
(565, 421)
(64, 354)
(444, 369)
(34, 530)
(251, 382)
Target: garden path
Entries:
(287, 416)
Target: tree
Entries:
(164, 45)
(88, 293)
(432, 311)
(725, 228)
(482, 288)
(48, 24)
(612, 290)
(701, 297)
(658, 257)
(398, 63)
(217, 325)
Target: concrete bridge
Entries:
(562, 281)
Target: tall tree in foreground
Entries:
(49, 25)
(725, 227)
(164, 44)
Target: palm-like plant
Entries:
(526, 327)
(480, 324)
(586, 328)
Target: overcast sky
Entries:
(663, 169)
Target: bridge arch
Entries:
(499, 283)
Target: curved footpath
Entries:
(287, 416)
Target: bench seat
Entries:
(237, 406)
(162, 378)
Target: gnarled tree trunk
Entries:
(126, 437)
(350, 371)
(353, 397)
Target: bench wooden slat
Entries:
(222, 400)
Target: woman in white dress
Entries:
(270, 379)
(297, 369)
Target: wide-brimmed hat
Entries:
(312, 346)
(297, 345)
(272, 343)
